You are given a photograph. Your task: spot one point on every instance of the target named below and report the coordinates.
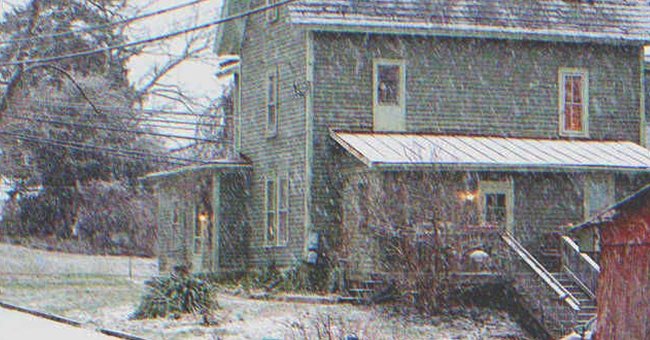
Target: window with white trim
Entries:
(276, 210)
(389, 97)
(574, 102)
(272, 103)
(496, 203)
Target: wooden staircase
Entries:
(559, 301)
(365, 290)
(588, 305)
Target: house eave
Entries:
(503, 168)
(484, 32)
(233, 166)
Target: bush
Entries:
(179, 293)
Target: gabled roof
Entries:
(611, 21)
(453, 152)
(581, 20)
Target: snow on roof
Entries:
(547, 20)
(403, 150)
(216, 165)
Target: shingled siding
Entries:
(233, 224)
(265, 46)
(466, 86)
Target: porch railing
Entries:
(579, 266)
(540, 271)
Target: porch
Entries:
(201, 213)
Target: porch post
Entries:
(216, 222)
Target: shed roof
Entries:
(612, 212)
(217, 165)
(403, 150)
(535, 19)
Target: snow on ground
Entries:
(77, 287)
(21, 260)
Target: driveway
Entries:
(22, 326)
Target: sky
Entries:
(195, 77)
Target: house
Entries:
(355, 118)
(624, 281)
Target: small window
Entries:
(495, 209)
(388, 84)
(496, 203)
(574, 99)
(272, 104)
(273, 14)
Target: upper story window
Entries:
(388, 84)
(389, 87)
(277, 210)
(574, 102)
(272, 103)
(273, 14)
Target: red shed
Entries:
(623, 292)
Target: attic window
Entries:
(574, 99)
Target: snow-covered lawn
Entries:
(78, 287)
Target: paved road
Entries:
(22, 326)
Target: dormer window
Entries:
(272, 103)
(574, 102)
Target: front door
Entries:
(389, 110)
(201, 221)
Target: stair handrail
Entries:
(539, 269)
(588, 279)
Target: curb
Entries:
(68, 321)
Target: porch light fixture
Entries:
(203, 217)
(467, 196)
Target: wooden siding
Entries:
(266, 46)
(234, 229)
(624, 281)
(475, 87)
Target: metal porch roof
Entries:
(399, 150)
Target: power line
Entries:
(82, 105)
(119, 152)
(149, 40)
(172, 124)
(108, 128)
(111, 24)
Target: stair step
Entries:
(361, 290)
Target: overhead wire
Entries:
(107, 25)
(139, 155)
(149, 40)
(114, 129)
(83, 105)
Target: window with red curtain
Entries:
(574, 102)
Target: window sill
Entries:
(575, 134)
(275, 246)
